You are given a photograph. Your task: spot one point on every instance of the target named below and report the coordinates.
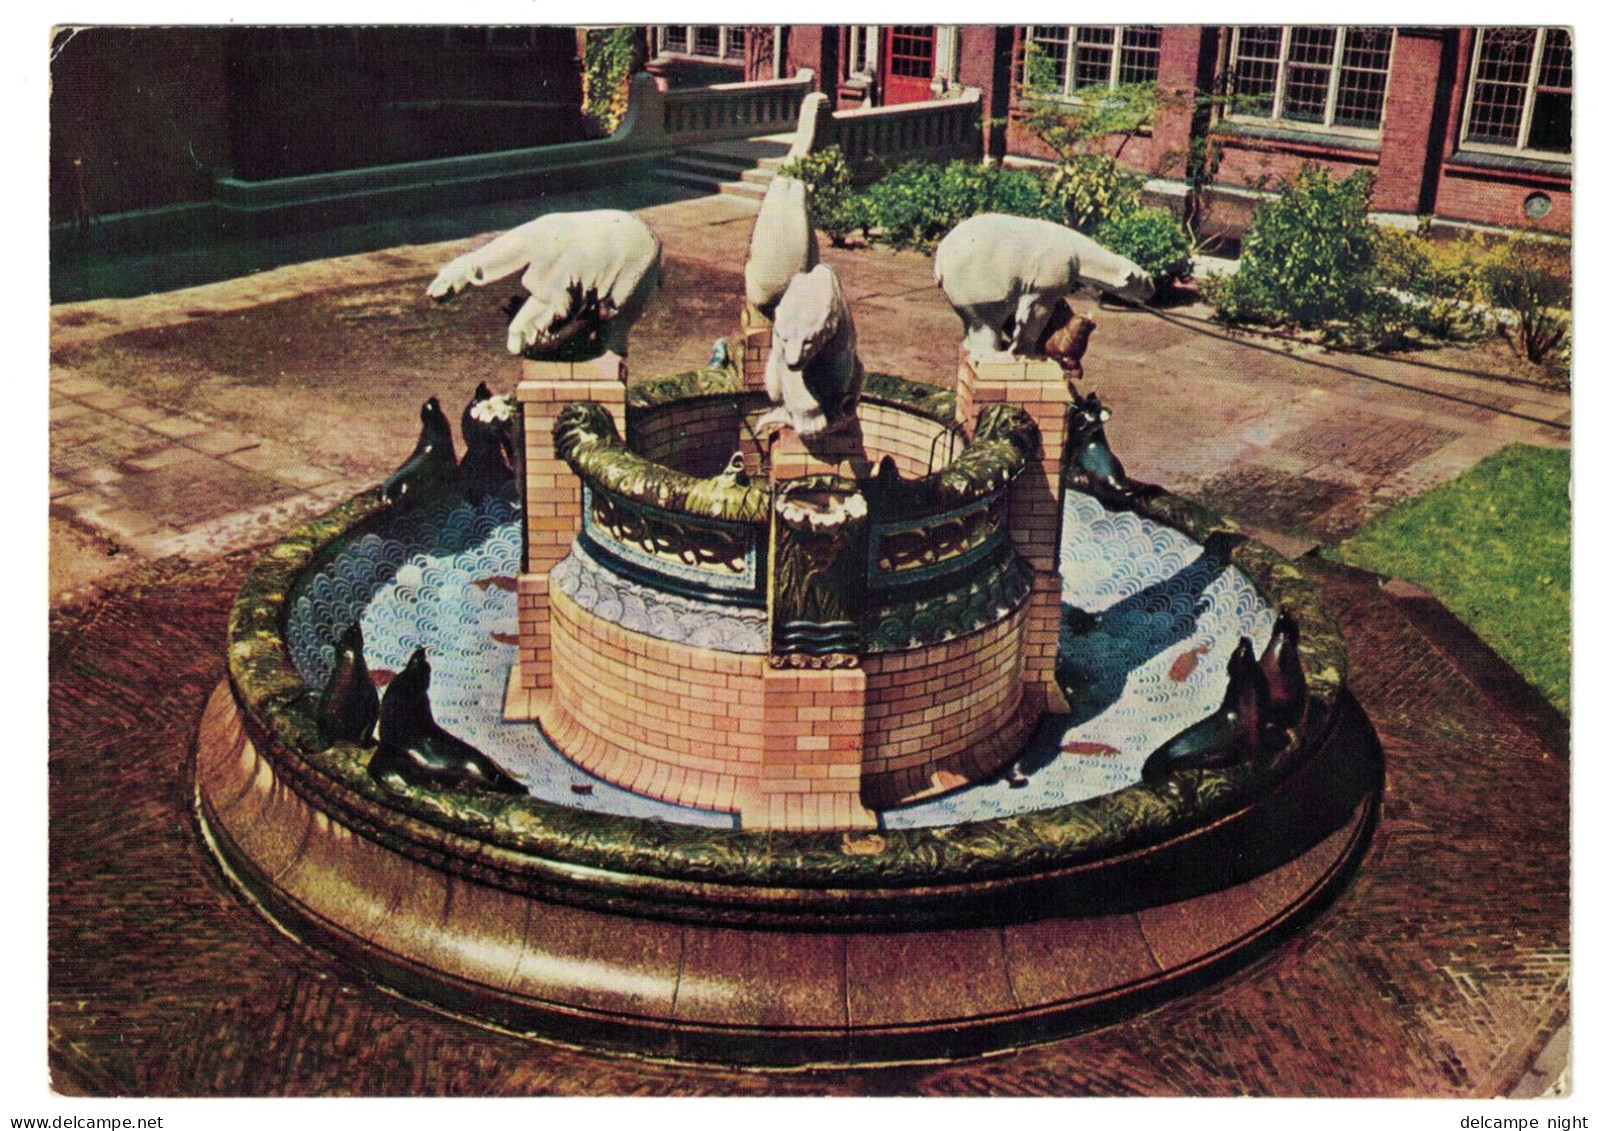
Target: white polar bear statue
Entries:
(783, 244)
(1005, 275)
(584, 271)
(813, 376)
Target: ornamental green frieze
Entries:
(586, 438)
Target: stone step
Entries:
(709, 183)
(721, 168)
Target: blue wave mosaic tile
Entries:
(665, 616)
(443, 577)
(1150, 620)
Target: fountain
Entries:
(780, 712)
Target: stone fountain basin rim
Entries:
(507, 835)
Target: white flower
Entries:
(498, 407)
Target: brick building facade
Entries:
(1466, 124)
(1470, 125)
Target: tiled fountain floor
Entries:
(1157, 618)
(1440, 971)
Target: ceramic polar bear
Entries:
(783, 244)
(585, 271)
(1005, 275)
(813, 376)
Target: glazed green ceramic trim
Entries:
(656, 391)
(1004, 440)
(586, 438)
(918, 397)
(628, 852)
(915, 396)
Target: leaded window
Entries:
(702, 41)
(1084, 57)
(1520, 90)
(1331, 77)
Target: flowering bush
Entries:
(1308, 258)
(1089, 189)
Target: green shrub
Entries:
(907, 206)
(917, 203)
(1530, 279)
(835, 208)
(1089, 189)
(1308, 258)
(1441, 283)
(1153, 239)
(1017, 192)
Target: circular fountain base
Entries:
(859, 976)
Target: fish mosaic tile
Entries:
(1150, 618)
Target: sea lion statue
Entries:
(415, 749)
(430, 467)
(1287, 694)
(1234, 733)
(488, 430)
(1090, 465)
(347, 710)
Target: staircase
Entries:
(730, 168)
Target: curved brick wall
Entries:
(941, 716)
(689, 725)
(672, 721)
(699, 435)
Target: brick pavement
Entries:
(1440, 971)
(164, 483)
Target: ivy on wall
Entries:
(607, 70)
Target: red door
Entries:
(906, 70)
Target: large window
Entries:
(1520, 90)
(1084, 57)
(704, 41)
(1331, 77)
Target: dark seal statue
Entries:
(431, 465)
(414, 748)
(1090, 465)
(487, 430)
(347, 708)
(1233, 734)
(1287, 694)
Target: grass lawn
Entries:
(1494, 546)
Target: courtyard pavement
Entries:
(197, 421)
(190, 426)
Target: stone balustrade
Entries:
(878, 137)
(735, 109)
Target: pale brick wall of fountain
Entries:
(912, 440)
(676, 722)
(928, 709)
(554, 497)
(784, 747)
(696, 436)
